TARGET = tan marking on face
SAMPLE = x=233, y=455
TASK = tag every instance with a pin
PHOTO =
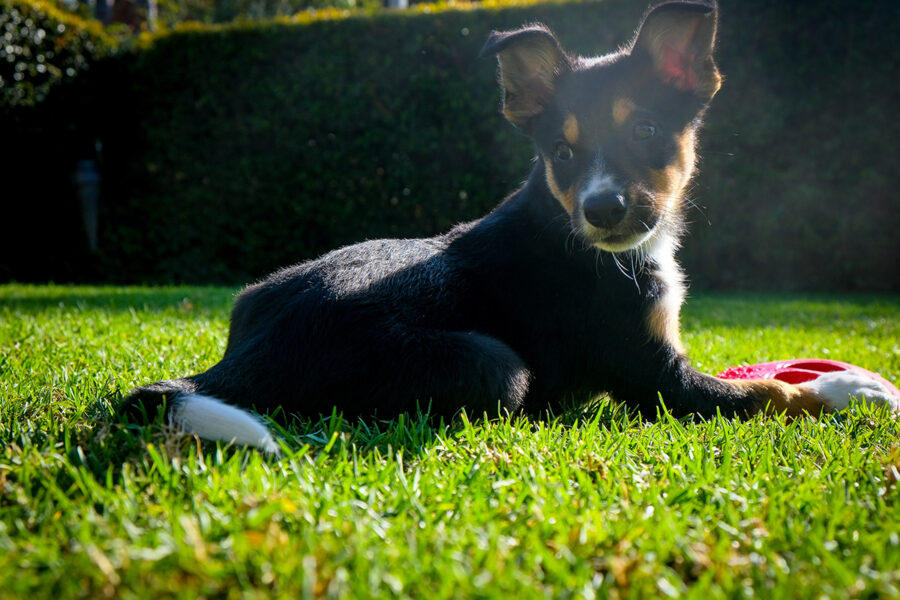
x=669, y=183
x=570, y=130
x=622, y=109
x=567, y=197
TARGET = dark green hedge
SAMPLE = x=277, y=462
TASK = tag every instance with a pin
x=800, y=150
x=228, y=152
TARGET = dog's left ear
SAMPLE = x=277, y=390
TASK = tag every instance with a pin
x=679, y=38
x=531, y=59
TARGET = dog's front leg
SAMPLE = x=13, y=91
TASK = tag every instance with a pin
x=684, y=390
x=695, y=392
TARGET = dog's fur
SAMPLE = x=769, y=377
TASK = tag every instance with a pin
x=567, y=290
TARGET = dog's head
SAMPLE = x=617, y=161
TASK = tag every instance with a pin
x=616, y=133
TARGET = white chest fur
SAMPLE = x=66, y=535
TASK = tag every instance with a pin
x=663, y=319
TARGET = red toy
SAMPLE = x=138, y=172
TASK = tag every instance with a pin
x=802, y=370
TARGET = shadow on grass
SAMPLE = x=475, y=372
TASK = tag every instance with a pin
x=116, y=439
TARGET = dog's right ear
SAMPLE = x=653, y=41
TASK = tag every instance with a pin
x=530, y=61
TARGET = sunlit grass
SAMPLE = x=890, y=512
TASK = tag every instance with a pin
x=594, y=504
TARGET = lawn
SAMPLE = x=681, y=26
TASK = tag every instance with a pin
x=589, y=504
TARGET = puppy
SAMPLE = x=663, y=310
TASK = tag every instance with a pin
x=567, y=290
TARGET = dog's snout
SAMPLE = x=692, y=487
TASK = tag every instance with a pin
x=605, y=210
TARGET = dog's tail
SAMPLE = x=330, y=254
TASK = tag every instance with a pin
x=199, y=414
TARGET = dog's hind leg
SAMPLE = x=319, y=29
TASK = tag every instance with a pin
x=399, y=369
x=449, y=371
x=390, y=369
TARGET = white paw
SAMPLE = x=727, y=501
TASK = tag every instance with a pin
x=837, y=388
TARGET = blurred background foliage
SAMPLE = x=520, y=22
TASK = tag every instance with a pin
x=156, y=15
x=227, y=150
x=40, y=46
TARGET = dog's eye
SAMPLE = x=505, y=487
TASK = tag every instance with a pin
x=644, y=130
x=562, y=151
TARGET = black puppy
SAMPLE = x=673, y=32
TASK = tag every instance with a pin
x=567, y=290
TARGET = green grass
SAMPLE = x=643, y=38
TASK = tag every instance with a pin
x=588, y=505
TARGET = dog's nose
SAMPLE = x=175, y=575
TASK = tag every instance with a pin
x=605, y=210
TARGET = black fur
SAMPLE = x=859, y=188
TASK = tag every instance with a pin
x=499, y=312
x=511, y=312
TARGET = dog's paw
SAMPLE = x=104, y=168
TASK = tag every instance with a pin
x=838, y=387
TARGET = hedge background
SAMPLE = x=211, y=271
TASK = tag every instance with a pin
x=230, y=151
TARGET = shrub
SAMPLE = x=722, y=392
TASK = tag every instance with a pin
x=42, y=46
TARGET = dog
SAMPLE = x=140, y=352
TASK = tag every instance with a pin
x=569, y=289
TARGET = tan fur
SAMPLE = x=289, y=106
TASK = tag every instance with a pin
x=622, y=109
x=775, y=397
x=668, y=181
x=519, y=112
x=663, y=325
x=570, y=129
x=567, y=197
x=713, y=83
x=672, y=180
x=663, y=320
x=527, y=76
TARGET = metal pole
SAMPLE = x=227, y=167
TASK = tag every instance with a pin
x=87, y=186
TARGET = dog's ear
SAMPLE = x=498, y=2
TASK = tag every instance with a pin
x=679, y=37
x=530, y=60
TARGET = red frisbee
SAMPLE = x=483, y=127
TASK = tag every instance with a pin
x=801, y=370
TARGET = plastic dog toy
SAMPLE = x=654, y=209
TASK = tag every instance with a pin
x=804, y=370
